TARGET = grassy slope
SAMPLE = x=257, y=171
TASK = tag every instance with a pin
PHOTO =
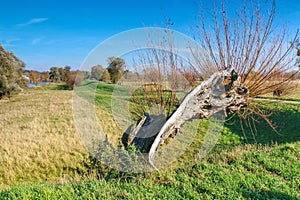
x=237, y=168
x=38, y=140
x=245, y=172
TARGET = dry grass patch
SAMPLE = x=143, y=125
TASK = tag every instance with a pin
x=39, y=141
x=293, y=94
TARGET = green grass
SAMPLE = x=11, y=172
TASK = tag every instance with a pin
x=241, y=166
x=251, y=171
x=96, y=92
x=285, y=118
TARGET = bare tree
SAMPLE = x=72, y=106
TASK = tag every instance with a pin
x=262, y=53
x=249, y=42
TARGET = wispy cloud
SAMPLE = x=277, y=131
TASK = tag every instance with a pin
x=36, y=40
x=10, y=42
x=32, y=21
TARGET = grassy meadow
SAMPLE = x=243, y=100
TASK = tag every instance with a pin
x=39, y=141
x=42, y=157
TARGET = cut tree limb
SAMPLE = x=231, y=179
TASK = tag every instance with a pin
x=221, y=92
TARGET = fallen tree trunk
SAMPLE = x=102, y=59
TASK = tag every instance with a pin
x=221, y=92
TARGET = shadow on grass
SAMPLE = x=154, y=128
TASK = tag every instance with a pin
x=61, y=87
x=264, y=194
x=285, y=117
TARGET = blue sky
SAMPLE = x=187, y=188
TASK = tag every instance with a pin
x=49, y=33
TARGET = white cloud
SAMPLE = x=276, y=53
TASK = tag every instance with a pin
x=32, y=21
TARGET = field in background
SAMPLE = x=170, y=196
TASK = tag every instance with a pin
x=39, y=144
x=293, y=95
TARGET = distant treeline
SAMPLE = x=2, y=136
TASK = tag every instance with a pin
x=56, y=75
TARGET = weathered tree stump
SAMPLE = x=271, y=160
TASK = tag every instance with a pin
x=221, y=92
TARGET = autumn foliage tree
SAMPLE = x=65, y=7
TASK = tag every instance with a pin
x=75, y=79
x=34, y=77
x=106, y=76
x=44, y=76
